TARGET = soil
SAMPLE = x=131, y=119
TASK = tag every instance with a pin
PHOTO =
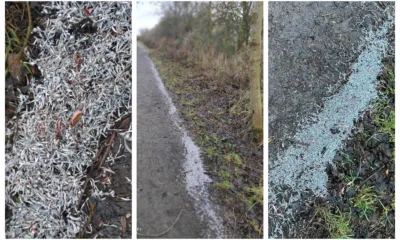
x=311, y=48
x=369, y=156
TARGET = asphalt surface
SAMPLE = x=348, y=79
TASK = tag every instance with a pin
x=161, y=192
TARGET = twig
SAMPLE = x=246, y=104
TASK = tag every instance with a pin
x=162, y=233
x=96, y=166
x=362, y=183
x=28, y=30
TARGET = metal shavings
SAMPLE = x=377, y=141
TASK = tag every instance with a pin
x=100, y=87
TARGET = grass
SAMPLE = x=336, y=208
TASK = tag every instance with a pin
x=210, y=111
x=385, y=113
x=256, y=195
x=386, y=122
x=365, y=201
x=338, y=225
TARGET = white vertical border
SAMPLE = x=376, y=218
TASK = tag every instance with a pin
x=134, y=121
x=3, y=119
x=265, y=115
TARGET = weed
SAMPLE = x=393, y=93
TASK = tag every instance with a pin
x=386, y=122
x=225, y=175
x=365, y=201
x=384, y=220
x=223, y=185
x=257, y=195
x=234, y=158
x=338, y=225
x=212, y=151
x=255, y=226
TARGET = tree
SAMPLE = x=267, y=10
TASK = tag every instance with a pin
x=244, y=30
x=255, y=66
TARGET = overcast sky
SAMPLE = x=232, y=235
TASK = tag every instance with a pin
x=147, y=15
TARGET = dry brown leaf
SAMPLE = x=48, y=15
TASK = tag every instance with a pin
x=123, y=226
x=14, y=66
x=75, y=118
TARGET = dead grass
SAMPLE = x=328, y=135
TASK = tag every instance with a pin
x=211, y=91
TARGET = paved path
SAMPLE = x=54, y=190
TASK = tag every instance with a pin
x=161, y=193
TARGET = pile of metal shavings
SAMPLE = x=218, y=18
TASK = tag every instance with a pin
x=86, y=68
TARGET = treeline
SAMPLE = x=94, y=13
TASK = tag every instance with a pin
x=214, y=38
x=222, y=26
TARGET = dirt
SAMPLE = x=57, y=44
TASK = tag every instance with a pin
x=111, y=217
x=311, y=49
x=366, y=161
x=162, y=198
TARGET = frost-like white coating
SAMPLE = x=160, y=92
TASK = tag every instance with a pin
x=43, y=177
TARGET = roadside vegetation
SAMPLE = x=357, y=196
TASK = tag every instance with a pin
x=201, y=50
x=361, y=201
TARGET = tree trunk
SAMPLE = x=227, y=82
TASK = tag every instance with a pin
x=255, y=66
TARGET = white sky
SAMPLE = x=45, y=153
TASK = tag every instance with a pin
x=148, y=14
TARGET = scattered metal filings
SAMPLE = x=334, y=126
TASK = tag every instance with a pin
x=90, y=73
x=302, y=167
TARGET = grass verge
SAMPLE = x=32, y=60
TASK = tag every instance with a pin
x=216, y=113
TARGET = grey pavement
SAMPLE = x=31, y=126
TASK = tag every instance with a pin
x=161, y=192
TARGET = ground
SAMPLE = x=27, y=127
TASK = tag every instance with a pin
x=215, y=112
x=312, y=47
x=161, y=192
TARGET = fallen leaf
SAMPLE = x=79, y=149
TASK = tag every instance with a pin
x=14, y=66
x=101, y=223
x=387, y=171
x=269, y=139
x=75, y=118
x=86, y=11
x=58, y=128
x=123, y=226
